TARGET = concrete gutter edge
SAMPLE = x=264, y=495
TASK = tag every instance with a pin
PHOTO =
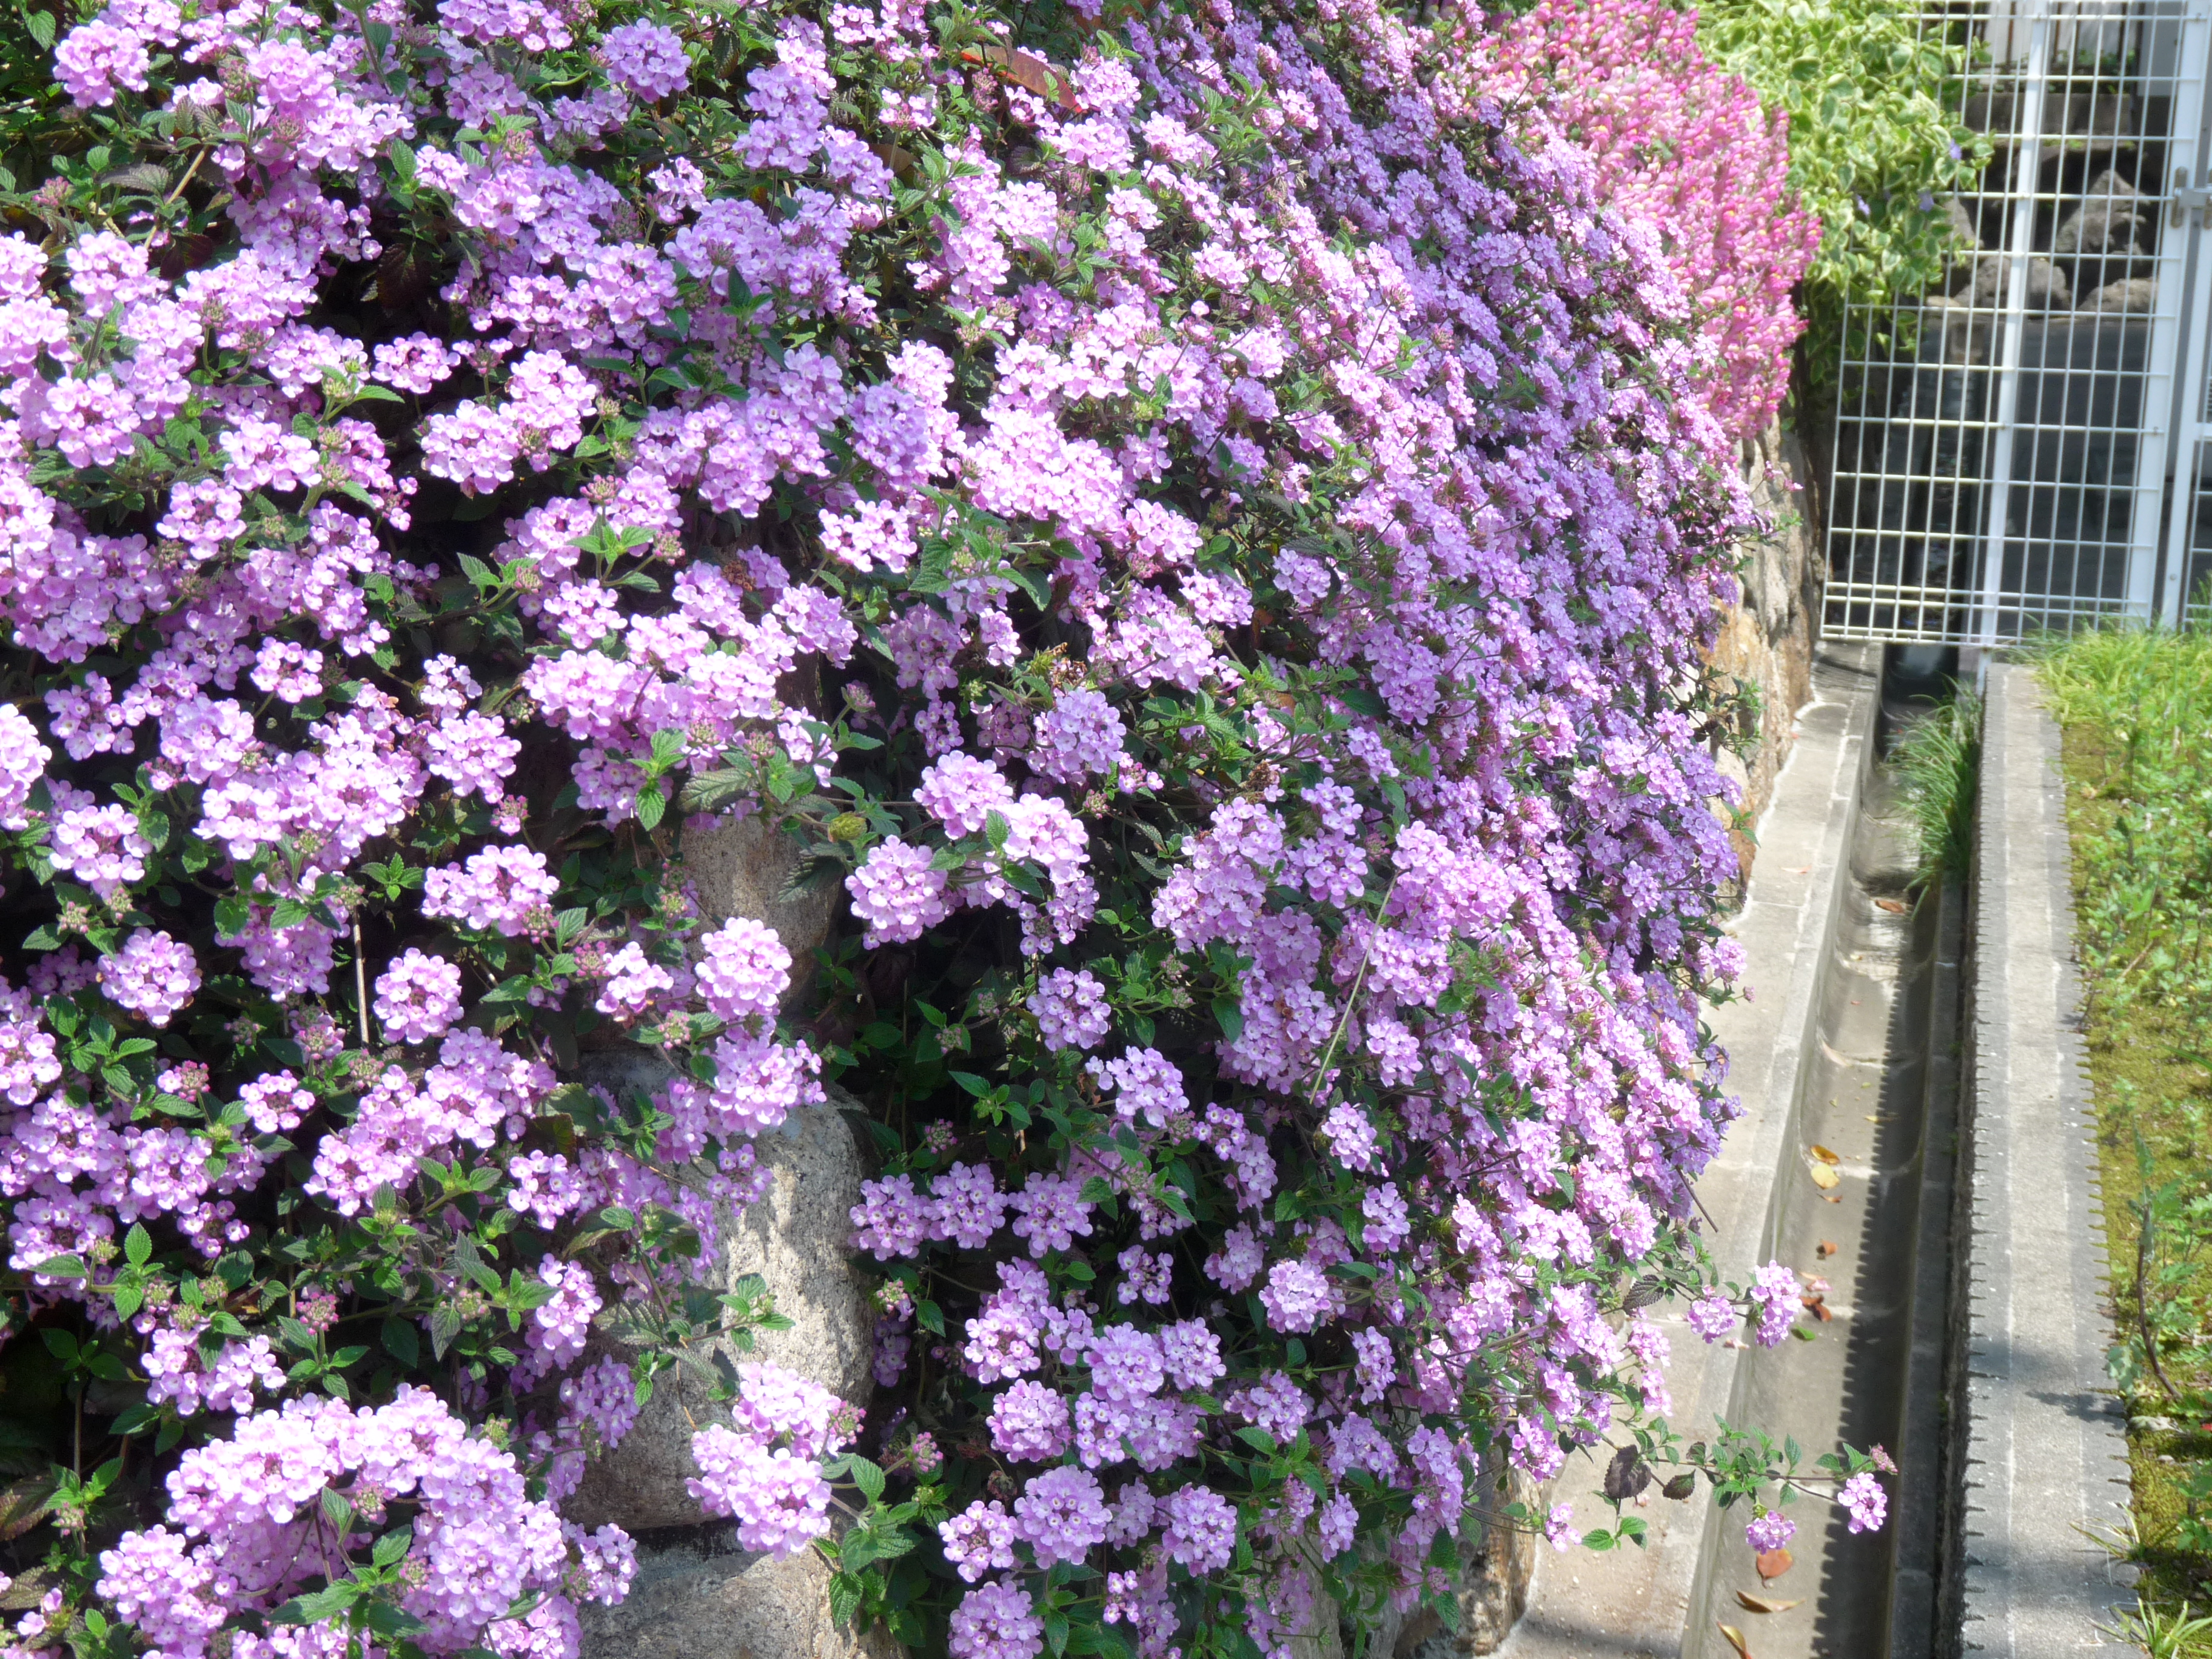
x=2044, y=1454
x=1917, y=1532
x=1779, y=1139
x=1640, y=1602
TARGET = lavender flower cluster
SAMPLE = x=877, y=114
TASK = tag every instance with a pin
x=1206, y=530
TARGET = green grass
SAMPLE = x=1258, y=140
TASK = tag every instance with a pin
x=2136, y=708
x=1936, y=760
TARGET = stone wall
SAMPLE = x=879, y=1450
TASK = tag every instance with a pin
x=1766, y=642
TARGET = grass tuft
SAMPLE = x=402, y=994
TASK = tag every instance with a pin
x=1937, y=761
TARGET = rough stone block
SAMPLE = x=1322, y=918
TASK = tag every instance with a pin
x=701, y=1598
x=742, y=869
x=795, y=1239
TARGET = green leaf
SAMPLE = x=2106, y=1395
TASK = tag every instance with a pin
x=319, y=1608
x=1229, y=1014
x=402, y=1341
x=652, y=805
x=445, y=1325
x=137, y=1246
x=41, y=27
x=866, y=1476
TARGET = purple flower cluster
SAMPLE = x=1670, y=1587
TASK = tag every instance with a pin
x=765, y=1470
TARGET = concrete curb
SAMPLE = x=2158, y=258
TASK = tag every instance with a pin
x=2045, y=1454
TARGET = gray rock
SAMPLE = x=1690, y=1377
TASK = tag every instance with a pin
x=740, y=869
x=2105, y=224
x=2137, y=293
x=795, y=1239
x=2047, y=289
x=1496, y=1569
x=701, y=1598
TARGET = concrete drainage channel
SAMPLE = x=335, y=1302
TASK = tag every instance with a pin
x=1914, y=1138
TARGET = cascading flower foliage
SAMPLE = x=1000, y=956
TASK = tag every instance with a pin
x=1202, y=524
x=1683, y=143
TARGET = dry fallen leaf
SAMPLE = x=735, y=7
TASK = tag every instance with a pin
x=1772, y=1563
x=1827, y=1247
x=1895, y=907
x=1735, y=1640
x=1825, y=1155
x=1825, y=1176
x=1797, y=869
x=1817, y=1307
x=1762, y=1604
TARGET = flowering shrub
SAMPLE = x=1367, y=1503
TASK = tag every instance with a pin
x=1204, y=533
x=1872, y=93
x=1687, y=146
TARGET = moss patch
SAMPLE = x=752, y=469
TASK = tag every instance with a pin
x=2135, y=710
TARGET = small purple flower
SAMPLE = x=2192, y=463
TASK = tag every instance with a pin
x=418, y=998
x=1297, y=1296
x=1775, y=1293
x=152, y=974
x=1559, y=1527
x=1770, y=1530
x=996, y=1621
x=1712, y=1315
x=1869, y=1504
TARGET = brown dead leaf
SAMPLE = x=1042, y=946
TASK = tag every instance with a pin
x=1825, y=1176
x=1825, y=1155
x=1772, y=1563
x=1762, y=1604
x=1818, y=1308
x=1825, y=1249
x=1028, y=72
x=1895, y=907
x=1735, y=1640
x=1797, y=869
x=1830, y=1198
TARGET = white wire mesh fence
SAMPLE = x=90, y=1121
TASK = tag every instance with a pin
x=2023, y=447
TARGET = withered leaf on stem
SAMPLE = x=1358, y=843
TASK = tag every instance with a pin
x=1626, y=1475
x=1028, y=72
